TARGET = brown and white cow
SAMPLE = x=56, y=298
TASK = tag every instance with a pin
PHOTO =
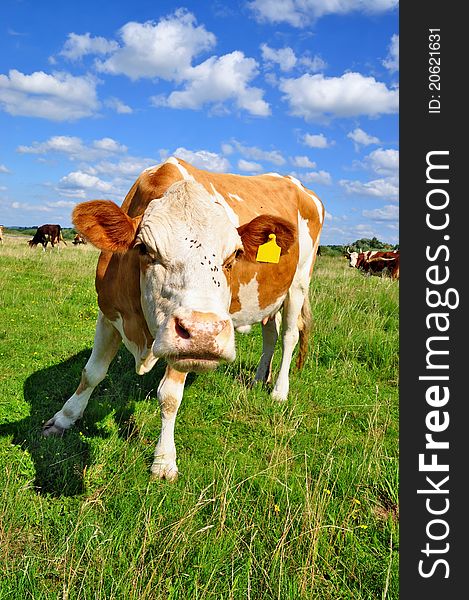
x=374, y=262
x=47, y=234
x=1, y=235
x=178, y=274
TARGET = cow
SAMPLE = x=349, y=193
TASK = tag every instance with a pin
x=375, y=262
x=1, y=235
x=183, y=264
x=45, y=234
x=78, y=239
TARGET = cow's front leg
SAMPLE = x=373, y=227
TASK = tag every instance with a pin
x=170, y=393
x=106, y=344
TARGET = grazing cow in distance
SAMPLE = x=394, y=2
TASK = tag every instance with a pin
x=190, y=257
x=375, y=262
x=78, y=239
x=45, y=234
x=1, y=235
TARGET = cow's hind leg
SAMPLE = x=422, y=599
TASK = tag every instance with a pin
x=106, y=344
x=291, y=320
x=270, y=331
x=170, y=393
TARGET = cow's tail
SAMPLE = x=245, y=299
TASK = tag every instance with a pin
x=305, y=323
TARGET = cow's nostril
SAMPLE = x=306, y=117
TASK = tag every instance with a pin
x=181, y=331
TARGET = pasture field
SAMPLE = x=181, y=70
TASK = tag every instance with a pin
x=274, y=501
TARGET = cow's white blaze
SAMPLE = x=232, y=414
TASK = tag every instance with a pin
x=183, y=288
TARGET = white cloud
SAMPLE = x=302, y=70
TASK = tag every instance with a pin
x=316, y=140
x=313, y=64
x=127, y=167
x=249, y=166
x=4, y=169
x=217, y=80
x=321, y=177
x=25, y=206
x=390, y=212
x=391, y=62
x=360, y=137
x=118, y=106
x=303, y=162
x=319, y=98
x=287, y=60
x=203, y=159
x=378, y=188
x=300, y=13
x=61, y=204
x=227, y=149
x=252, y=152
x=383, y=162
x=164, y=49
x=284, y=57
x=57, y=97
x=78, y=46
x=74, y=148
x=78, y=184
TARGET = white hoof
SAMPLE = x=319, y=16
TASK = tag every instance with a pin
x=164, y=470
x=279, y=395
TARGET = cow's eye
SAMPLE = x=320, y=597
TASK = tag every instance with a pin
x=230, y=261
x=150, y=254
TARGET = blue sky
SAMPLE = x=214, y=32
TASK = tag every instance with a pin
x=91, y=93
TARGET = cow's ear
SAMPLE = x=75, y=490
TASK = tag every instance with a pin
x=256, y=232
x=105, y=225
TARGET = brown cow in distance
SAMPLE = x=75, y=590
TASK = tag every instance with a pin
x=45, y=234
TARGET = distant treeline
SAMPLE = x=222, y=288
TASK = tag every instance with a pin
x=361, y=245
x=67, y=232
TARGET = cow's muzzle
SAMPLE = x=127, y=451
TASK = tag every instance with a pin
x=196, y=341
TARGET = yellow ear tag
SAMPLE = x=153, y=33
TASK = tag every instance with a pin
x=269, y=252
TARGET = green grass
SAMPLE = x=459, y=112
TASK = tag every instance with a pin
x=274, y=501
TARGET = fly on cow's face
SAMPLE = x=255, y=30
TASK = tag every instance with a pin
x=149, y=254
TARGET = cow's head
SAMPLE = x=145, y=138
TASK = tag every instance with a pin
x=187, y=248
x=353, y=259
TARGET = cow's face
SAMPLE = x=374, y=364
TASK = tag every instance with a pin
x=353, y=258
x=186, y=248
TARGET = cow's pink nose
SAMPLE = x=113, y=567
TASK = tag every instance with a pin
x=198, y=325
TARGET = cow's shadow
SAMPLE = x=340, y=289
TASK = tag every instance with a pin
x=60, y=462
